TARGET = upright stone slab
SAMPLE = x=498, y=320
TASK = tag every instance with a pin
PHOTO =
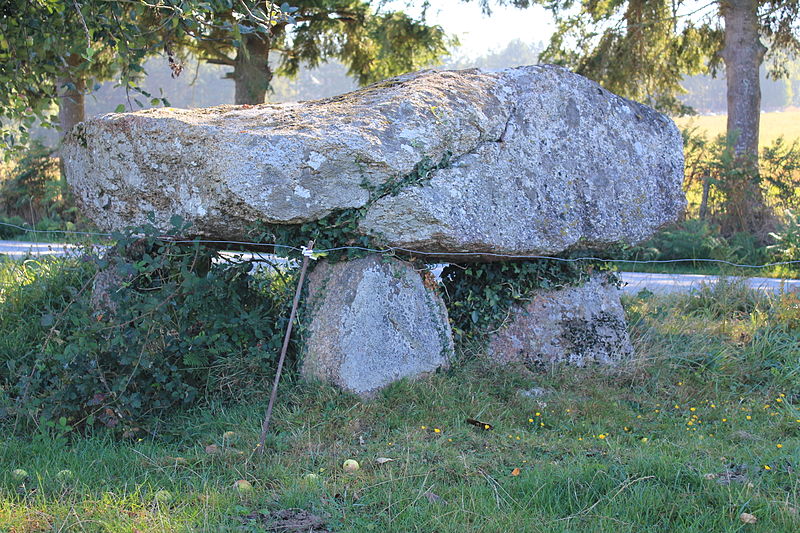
x=373, y=321
x=577, y=325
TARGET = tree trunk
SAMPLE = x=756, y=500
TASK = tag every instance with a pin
x=251, y=70
x=743, y=54
x=71, y=89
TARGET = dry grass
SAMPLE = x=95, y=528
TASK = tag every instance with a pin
x=773, y=125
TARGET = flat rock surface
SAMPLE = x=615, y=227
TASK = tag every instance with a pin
x=527, y=160
x=373, y=321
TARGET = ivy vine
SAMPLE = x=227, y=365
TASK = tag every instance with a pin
x=480, y=296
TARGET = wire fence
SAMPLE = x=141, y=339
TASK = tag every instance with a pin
x=395, y=249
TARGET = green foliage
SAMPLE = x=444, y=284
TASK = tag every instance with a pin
x=49, y=46
x=712, y=166
x=643, y=49
x=787, y=239
x=728, y=298
x=336, y=230
x=372, y=44
x=12, y=229
x=779, y=169
x=691, y=239
x=34, y=193
x=479, y=296
x=636, y=49
x=158, y=326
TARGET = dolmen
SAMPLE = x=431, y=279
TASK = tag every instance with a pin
x=450, y=166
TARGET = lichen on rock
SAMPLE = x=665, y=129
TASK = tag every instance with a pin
x=373, y=321
x=578, y=325
x=539, y=160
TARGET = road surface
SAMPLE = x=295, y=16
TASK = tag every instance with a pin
x=635, y=281
x=20, y=249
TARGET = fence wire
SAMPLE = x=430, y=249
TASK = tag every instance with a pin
x=395, y=249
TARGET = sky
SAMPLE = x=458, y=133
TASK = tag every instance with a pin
x=479, y=33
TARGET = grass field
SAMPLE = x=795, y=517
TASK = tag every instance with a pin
x=773, y=125
x=702, y=426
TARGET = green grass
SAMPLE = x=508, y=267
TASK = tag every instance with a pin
x=679, y=439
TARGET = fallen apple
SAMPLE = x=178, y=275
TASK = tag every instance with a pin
x=19, y=474
x=229, y=435
x=350, y=466
x=243, y=486
x=163, y=496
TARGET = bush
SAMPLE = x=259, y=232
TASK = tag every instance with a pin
x=716, y=182
x=787, y=239
x=180, y=331
x=691, y=239
x=11, y=230
x=697, y=239
x=33, y=190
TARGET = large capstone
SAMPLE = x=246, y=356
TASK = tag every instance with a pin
x=529, y=160
x=373, y=321
x=576, y=325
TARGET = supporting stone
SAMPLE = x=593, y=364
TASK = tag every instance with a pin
x=373, y=321
x=577, y=325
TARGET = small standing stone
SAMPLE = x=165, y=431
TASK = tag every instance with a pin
x=373, y=321
x=576, y=325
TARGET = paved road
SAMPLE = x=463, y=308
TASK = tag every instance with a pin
x=677, y=283
x=19, y=249
x=657, y=283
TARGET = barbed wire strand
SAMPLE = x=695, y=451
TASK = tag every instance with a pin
x=393, y=249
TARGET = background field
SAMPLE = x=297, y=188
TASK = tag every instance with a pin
x=773, y=125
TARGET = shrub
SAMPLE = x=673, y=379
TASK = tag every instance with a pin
x=11, y=230
x=691, y=239
x=787, y=239
x=715, y=180
x=185, y=327
x=698, y=239
x=33, y=190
